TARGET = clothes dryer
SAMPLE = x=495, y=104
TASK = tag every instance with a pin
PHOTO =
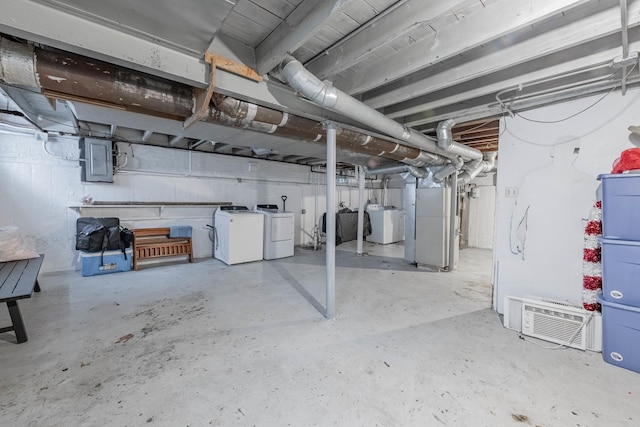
x=278, y=232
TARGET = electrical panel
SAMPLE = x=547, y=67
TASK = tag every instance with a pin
x=97, y=160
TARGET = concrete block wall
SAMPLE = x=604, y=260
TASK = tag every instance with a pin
x=41, y=191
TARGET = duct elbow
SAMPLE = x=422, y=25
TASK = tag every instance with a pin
x=305, y=83
x=445, y=136
x=464, y=178
x=417, y=172
x=489, y=162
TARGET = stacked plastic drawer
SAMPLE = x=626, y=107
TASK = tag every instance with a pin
x=620, y=298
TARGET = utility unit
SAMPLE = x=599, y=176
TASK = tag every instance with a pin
x=387, y=224
x=278, y=232
x=238, y=235
x=432, y=227
x=554, y=321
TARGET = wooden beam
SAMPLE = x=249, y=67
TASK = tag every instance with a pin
x=232, y=67
x=203, y=96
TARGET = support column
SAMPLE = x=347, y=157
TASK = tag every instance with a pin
x=331, y=221
x=453, y=187
x=361, y=177
x=410, y=195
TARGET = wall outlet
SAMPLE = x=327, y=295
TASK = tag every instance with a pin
x=511, y=192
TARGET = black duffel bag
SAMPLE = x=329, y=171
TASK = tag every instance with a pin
x=97, y=234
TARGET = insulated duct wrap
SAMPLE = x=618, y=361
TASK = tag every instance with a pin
x=17, y=64
x=69, y=76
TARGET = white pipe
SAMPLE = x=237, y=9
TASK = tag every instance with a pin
x=390, y=169
x=303, y=81
x=361, y=177
x=443, y=173
x=477, y=167
x=443, y=131
x=331, y=222
x=625, y=44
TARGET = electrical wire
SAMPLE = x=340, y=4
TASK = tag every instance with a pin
x=574, y=114
x=44, y=147
x=106, y=135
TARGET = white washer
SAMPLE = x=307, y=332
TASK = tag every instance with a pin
x=278, y=231
x=387, y=224
x=238, y=234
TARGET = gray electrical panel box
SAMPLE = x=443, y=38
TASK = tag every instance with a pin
x=97, y=163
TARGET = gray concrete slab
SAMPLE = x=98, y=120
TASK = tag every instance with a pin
x=207, y=344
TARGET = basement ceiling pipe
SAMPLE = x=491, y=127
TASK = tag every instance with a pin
x=234, y=112
x=384, y=170
x=70, y=76
x=443, y=131
x=477, y=167
x=443, y=173
x=323, y=94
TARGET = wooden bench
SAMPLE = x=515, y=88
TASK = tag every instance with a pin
x=155, y=243
x=18, y=280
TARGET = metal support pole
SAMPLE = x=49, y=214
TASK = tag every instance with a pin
x=361, y=177
x=453, y=186
x=410, y=196
x=625, y=43
x=331, y=221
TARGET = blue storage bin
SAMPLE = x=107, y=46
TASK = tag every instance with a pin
x=621, y=206
x=620, y=335
x=621, y=271
x=112, y=262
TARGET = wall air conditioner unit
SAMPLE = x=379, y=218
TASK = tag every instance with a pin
x=554, y=321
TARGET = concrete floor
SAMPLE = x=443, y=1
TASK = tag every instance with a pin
x=246, y=345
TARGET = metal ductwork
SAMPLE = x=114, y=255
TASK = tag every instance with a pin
x=323, y=94
x=478, y=166
x=443, y=173
x=385, y=170
x=444, y=133
x=17, y=66
x=69, y=76
x=233, y=112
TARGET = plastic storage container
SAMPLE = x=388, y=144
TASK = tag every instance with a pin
x=621, y=206
x=621, y=271
x=112, y=262
x=620, y=335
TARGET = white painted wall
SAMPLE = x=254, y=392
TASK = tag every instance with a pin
x=37, y=190
x=558, y=192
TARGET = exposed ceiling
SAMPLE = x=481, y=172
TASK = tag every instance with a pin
x=418, y=62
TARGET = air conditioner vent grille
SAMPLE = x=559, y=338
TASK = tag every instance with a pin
x=556, y=328
x=554, y=322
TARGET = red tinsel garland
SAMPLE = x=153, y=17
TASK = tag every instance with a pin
x=592, y=257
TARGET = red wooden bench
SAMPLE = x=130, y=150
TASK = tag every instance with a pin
x=151, y=243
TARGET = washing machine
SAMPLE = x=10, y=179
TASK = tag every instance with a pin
x=387, y=224
x=238, y=235
x=278, y=231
